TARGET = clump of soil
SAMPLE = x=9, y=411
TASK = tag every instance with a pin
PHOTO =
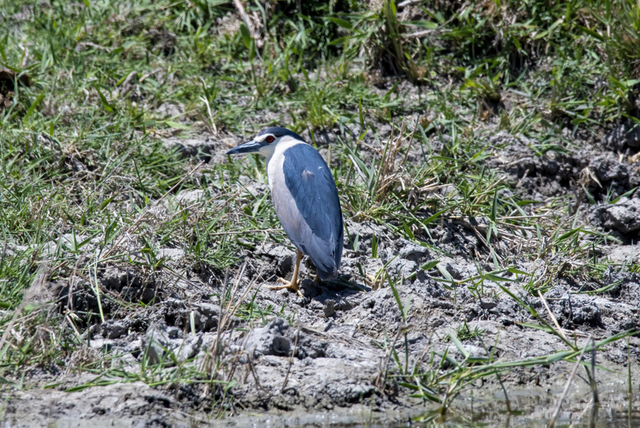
x=8, y=81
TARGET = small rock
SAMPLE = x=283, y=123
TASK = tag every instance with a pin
x=275, y=251
x=187, y=348
x=276, y=338
x=134, y=347
x=114, y=278
x=624, y=253
x=401, y=267
x=453, y=270
x=170, y=109
x=173, y=332
x=113, y=329
x=105, y=345
x=281, y=345
x=623, y=216
x=607, y=170
x=155, y=344
x=627, y=133
x=268, y=340
x=505, y=321
x=485, y=304
x=413, y=252
x=582, y=312
x=284, y=266
x=329, y=308
x=446, y=237
x=205, y=318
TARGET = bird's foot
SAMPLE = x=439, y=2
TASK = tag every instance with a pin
x=291, y=285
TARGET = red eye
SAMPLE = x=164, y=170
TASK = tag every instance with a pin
x=270, y=139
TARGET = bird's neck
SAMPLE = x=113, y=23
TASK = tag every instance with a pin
x=275, y=157
x=278, y=149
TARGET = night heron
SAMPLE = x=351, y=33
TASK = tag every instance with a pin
x=305, y=197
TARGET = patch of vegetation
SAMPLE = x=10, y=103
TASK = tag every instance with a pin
x=92, y=95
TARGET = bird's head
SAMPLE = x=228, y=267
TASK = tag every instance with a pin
x=266, y=141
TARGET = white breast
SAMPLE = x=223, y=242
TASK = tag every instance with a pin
x=292, y=221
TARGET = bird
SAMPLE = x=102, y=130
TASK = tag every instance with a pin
x=305, y=198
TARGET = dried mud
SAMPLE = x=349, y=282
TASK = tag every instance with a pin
x=322, y=360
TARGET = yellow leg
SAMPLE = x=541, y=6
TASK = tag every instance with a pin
x=293, y=284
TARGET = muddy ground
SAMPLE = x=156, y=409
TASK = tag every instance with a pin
x=324, y=360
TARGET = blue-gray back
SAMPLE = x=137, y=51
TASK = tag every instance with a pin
x=311, y=184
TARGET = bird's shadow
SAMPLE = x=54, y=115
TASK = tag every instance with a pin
x=336, y=290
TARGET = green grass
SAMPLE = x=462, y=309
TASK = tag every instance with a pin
x=81, y=151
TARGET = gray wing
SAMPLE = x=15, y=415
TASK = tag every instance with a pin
x=314, y=191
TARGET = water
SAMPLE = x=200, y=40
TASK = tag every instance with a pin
x=534, y=408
